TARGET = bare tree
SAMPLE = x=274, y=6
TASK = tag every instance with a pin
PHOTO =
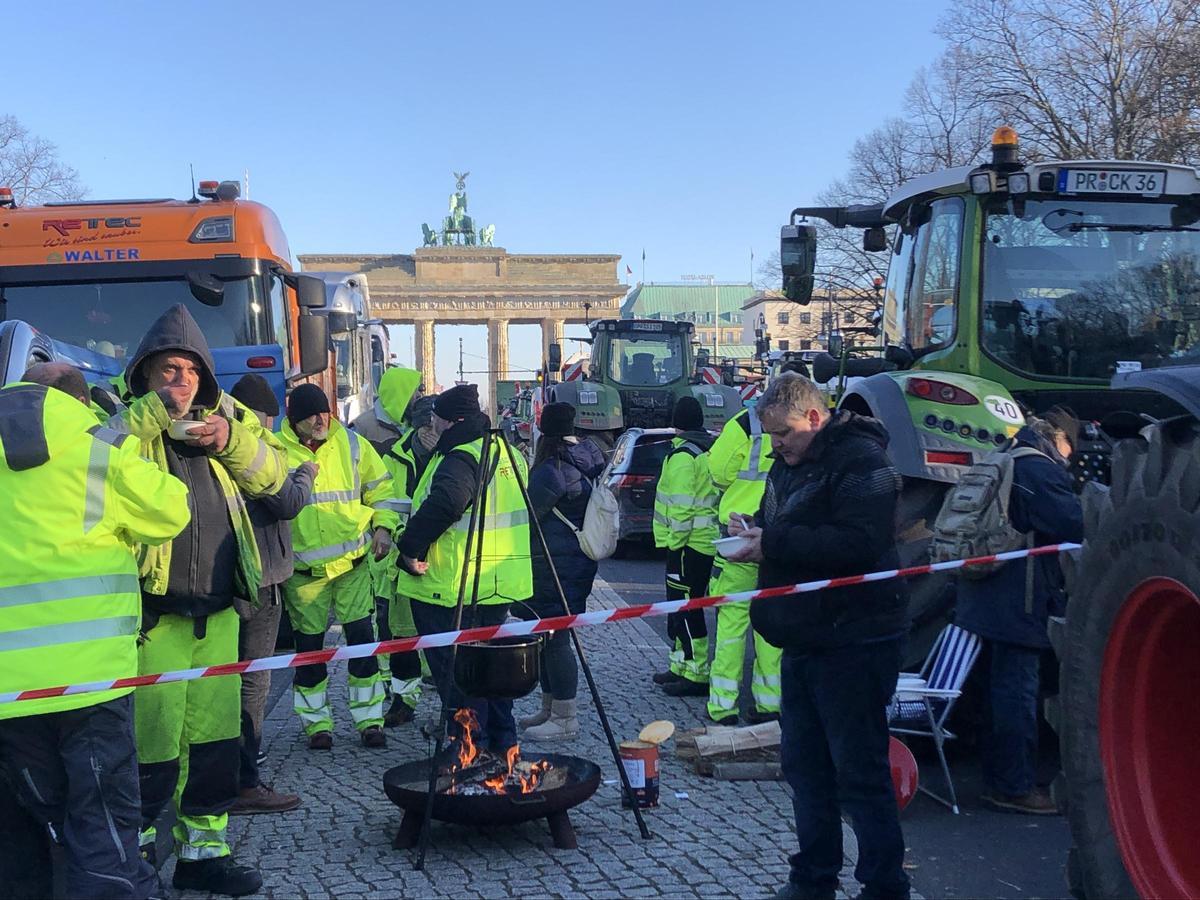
x=768, y=276
x=1086, y=78
x=31, y=167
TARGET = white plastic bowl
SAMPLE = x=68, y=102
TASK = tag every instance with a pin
x=730, y=545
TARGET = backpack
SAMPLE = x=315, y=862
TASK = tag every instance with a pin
x=974, y=520
x=601, y=523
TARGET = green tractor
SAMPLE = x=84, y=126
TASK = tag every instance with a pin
x=1014, y=287
x=638, y=369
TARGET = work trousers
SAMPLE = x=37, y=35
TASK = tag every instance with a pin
x=188, y=732
x=688, y=572
x=834, y=754
x=497, y=728
x=76, y=772
x=729, y=657
x=309, y=599
x=256, y=639
x=404, y=669
x=1010, y=745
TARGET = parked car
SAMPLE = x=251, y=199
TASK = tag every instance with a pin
x=632, y=475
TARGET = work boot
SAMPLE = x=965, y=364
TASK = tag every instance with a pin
x=729, y=720
x=1036, y=803
x=758, y=717
x=398, y=713
x=322, y=740
x=686, y=688
x=537, y=718
x=561, y=725
x=793, y=891
x=216, y=876
x=667, y=677
x=262, y=798
x=373, y=737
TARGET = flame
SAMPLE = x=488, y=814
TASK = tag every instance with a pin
x=467, y=751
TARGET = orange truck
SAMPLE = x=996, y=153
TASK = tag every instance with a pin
x=81, y=281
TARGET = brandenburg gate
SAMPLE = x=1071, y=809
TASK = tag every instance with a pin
x=459, y=279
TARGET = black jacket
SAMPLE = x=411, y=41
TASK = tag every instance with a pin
x=831, y=515
x=204, y=557
x=1042, y=501
x=451, y=492
x=271, y=516
x=563, y=482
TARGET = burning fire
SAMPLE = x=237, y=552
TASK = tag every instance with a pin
x=520, y=778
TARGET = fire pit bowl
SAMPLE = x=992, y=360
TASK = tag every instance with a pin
x=407, y=787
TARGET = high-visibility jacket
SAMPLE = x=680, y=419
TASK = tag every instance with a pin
x=685, y=504
x=739, y=461
x=349, y=499
x=75, y=498
x=401, y=462
x=253, y=464
x=505, y=573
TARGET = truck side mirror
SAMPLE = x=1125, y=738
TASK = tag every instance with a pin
x=874, y=240
x=314, y=343
x=310, y=292
x=798, y=260
x=342, y=322
x=835, y=346
x=554, y=358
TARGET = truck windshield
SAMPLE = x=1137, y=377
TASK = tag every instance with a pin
x=110, y=317
x=642, y=359
x=1088, y=288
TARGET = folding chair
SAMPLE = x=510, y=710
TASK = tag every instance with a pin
x=923, y=701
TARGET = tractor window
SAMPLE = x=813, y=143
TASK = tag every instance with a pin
x=1085, y=288
x=646, y=359
x=899, y=273
x=933, y=288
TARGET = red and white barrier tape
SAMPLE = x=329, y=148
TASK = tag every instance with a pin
x=530, y=626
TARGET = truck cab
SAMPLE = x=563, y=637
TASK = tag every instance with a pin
x=357, y=343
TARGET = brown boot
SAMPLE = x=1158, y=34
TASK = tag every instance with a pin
x=262, y=799
x=1036, y=803
x=322, y=740
x=373, y=737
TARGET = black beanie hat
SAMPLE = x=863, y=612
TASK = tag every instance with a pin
x=306, y=400
x=558, y=420
x=460, y=401
x=688, y=415
x=253, y=392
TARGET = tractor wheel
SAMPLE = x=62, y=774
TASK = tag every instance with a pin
x=1129, y=649
x=930, y=597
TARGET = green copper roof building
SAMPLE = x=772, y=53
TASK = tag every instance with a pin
x=698, y=304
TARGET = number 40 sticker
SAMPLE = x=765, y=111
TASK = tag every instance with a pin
x=1004, y=409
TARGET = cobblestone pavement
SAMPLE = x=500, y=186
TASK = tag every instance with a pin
x=710, y=838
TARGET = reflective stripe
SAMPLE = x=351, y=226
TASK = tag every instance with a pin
x=366, y=700
x=355, y=450
x=675, y=499
x=709, y=501
x=394, y=504
x=68, y=589
x=723, y=684
x=333, y=551
x=661, y=518
x=109, y=436
x=200, y=843
x=689, y=446
x=69, y=633
x=371, y=485
x=408, y=690
x=332, y=497
x=703, y=521
x=260, y=460
x=500, y=520
x=774, y=681
x=721, y=701
x=745, y=475
x=97, y=475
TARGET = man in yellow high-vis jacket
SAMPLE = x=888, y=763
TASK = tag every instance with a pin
x=739, y=461
x=685, y=523
x=74, y=499
x=189, y=732
x=434, y=554
x=347, y=517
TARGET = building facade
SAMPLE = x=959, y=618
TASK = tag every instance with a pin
x=714, y=309
x=791, y=327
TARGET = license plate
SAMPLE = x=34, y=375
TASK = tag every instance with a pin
x=646, y=326
x=1143, y=182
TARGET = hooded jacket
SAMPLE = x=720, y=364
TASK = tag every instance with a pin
x=383, y=424
x=830, y=515
x=1043, y=501
x=216, y=556
x=563, y=482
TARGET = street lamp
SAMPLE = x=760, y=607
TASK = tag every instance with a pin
x=712, y=279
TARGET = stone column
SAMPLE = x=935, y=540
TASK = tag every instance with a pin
x=552, y=333
x=497, y=349
x=425, y=352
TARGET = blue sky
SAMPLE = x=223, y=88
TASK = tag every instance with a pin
x=688, y=129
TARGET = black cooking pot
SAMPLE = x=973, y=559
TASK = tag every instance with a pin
x=503, y=668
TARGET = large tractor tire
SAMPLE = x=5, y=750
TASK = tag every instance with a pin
x=1128, y=714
